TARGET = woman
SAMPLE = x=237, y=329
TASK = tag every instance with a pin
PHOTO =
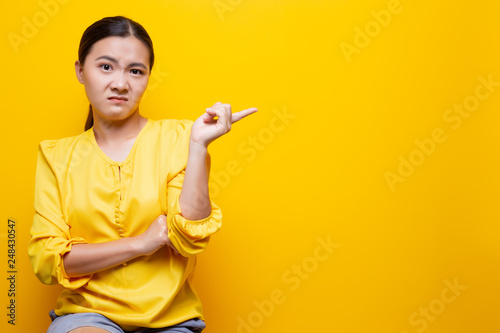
x=122, y=209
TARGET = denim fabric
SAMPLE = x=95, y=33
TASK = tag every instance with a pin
x=66, y=323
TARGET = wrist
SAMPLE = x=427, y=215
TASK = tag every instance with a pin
x=197, y=148
x=137, y=246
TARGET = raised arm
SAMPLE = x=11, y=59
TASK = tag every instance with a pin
x=194, y=199
x=192, y=217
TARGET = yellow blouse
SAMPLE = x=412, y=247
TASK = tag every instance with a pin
x=83, y=196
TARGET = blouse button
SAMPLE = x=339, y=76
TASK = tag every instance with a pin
x=124, y=264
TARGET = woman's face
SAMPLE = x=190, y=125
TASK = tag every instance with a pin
x=115, y=75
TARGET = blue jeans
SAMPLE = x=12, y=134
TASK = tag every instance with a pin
x=66, y=323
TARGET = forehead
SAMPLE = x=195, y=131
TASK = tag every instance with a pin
x=124, y=49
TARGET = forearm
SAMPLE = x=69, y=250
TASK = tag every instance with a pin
x=84, y=259
x=194, y=197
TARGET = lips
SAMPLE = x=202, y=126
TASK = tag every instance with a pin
x=116, y=100
x=120, y=98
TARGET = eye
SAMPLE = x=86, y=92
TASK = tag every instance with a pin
x=106, y=67
x=137, y=71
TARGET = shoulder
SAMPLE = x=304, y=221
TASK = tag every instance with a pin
x=62, y=142
x=57, y=149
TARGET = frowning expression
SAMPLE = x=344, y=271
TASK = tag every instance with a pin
x=115, y=74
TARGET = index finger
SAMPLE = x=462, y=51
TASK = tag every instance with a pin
x=242, y=114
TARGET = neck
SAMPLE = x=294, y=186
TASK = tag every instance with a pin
x=110, y=132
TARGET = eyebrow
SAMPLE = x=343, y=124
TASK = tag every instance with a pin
x=134, y=64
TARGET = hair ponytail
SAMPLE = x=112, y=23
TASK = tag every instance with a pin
x=90, y=119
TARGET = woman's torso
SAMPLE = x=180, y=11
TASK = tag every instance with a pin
x=103, y=200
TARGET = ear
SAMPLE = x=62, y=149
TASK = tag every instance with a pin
x=79, y=71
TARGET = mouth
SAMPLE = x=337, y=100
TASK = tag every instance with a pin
x=118, y=99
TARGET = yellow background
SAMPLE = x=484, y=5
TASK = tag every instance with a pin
x=319, y=173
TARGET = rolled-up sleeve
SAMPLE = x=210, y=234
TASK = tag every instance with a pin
x=50, y=234
x=189, y=237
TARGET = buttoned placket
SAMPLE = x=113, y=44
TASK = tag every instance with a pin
x=119, y=197
x=117, y=168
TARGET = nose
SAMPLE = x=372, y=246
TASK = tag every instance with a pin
x=119, y=81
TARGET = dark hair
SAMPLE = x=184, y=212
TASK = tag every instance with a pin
x=108, y=27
